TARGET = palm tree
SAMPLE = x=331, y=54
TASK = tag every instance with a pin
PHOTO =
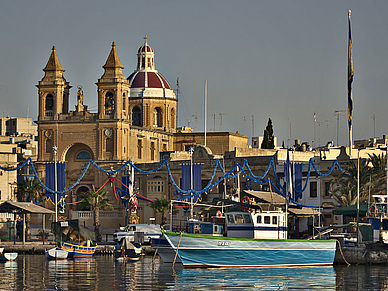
x=161, y=206
x=378, y=176
x=96, y=201
x=29, y=190
x=345, y=185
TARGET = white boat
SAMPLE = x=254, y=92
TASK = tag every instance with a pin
x=56, y=254
x=7, y=256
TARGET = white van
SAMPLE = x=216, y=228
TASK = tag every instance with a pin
x=149, y=231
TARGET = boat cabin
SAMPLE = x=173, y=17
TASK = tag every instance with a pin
x=259, y=225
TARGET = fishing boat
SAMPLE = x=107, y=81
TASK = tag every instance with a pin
x=75, y=239
x=163, y=248
x=7, y=256
x=195, y=250
x=254, y=239
x=56, y=253
x=126, y=250
x=79, y=251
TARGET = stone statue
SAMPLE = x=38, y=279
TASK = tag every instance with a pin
x=80, y=96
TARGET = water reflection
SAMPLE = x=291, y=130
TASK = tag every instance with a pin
x=34, y=272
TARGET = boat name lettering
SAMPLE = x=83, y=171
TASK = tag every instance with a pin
x=224, y=243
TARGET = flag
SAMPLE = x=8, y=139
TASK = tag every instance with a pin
x=315, y=117
x=288, y=177
x=350, y=75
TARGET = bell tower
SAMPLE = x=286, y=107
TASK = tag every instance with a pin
x=53, y=90
x=113, y=89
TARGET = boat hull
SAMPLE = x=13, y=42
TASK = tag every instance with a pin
x=163, y=248
x=207, y=251
x=77, y=251
x=8, y=257
x=56, y=254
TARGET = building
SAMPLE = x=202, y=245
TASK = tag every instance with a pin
x=136, y=120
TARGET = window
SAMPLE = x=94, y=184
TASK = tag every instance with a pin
x=83, y=156
x=313, y=189
x=165, y=147
x=109, y=104
x=239, y=218
x=155, y=185
x=49, y=102
x=139, y=148
x=172, y=119
x=136, y=116
x=267, y=219
x=49, y=146
x=259, y=219
x=152, y=150
x=274, y=220
x=247, y=218
x=230, y=218
x=327, y=188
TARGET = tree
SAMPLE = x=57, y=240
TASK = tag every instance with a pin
x=29, y=190
x=96, y=201
x=268, y=140
x=378, y=175
x=161, y=206
x=345, y=185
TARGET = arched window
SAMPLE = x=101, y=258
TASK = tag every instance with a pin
x=136, y=116
x=49, y=106
x=83, y=156
x=157, y=117
x=109, y=104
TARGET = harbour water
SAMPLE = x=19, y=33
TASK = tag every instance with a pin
x=34, y=272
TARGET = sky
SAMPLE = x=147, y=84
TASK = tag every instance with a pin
x=279, y=59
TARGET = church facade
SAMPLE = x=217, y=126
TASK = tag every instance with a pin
x=136, y=120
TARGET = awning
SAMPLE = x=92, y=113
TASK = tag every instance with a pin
x=352, y=210
x=23, y=207
x=277, y=199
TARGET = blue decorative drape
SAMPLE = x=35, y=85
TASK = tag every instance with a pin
x=50, y=180
x=186, y=177
x=298, y=168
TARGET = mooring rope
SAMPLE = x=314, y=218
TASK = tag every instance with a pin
x=342, y=254
x=177, y=249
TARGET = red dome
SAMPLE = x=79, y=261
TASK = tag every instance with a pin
x=145, y=49
x=151, y=80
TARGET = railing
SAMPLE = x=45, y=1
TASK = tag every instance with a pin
x=103, y=215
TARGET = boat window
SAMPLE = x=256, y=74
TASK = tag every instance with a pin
x=259, y=219
x=274, y=220
x=267, y=219
x=230, y=218
x=247, y=218
x=239, y=218
x=216, y=228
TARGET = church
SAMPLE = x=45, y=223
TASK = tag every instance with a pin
x=136, y=120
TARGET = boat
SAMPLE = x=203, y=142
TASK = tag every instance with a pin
x=195, y=250
x=56, y=253
x=126, y=250
x=79, y=251
x=75, y=239
x=254, y=239
x=4, y=257
x=163, y=248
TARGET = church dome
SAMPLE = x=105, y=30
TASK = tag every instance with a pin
x=144, y=79
x=146, y=76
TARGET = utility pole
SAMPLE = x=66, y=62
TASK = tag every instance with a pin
x=338, y=114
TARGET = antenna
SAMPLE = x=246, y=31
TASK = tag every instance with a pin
x=253, y=126
x=221, y=115
x=374, y=125
x=214, y=122
x=338, y=113
x=245, y=124
x=319, y=132
x=195, y=120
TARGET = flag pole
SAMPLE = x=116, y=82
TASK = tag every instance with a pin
x=350, y=83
